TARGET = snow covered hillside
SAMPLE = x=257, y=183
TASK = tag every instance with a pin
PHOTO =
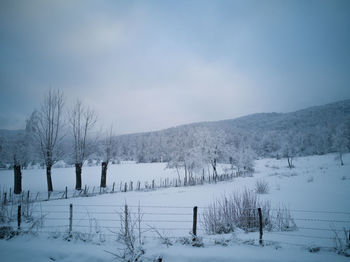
x=316, y=192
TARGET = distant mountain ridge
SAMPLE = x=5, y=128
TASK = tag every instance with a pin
x=310, y=130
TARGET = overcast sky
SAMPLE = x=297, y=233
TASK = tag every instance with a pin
x=148, y=65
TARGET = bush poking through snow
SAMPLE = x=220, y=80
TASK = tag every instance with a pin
x=236, y=210
x=342, y=242
x=262, y=187
x=165, y=240
x=7, y=232
x=283, y=220
x=130, y=237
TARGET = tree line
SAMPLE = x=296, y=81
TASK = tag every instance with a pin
x=45, y=139
x=58, y=132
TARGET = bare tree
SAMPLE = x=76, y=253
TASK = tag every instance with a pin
x=340, y=141
x=214, y=144
x=108, y=144
x=289, y=148
x=47, y=131
x=81, y=120
x=19, y=150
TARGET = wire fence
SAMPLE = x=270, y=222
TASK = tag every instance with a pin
x=312, y=227
x=8, y=197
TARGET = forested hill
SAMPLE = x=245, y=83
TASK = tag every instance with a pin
x=308, y=131
x=315, y=130
x=327, y=115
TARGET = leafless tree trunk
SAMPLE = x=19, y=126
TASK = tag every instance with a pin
x=18, y=176
x=78, y=169
x=104, y=174
x=107, y=147
x=81, y=119
x=47, y=131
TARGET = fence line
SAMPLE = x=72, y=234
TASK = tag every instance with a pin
x=7, y=196
x=164, y=224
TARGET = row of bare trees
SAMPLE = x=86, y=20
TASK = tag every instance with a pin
x=51, y=124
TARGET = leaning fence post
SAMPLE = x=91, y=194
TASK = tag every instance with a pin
x=194, y=227
x=260, y=226
x=70, y=218
x=19, y=218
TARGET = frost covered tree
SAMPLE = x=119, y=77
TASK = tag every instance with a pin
x=241, y=155
x=194, y=148
x=47, y=130
x=213, y=146
x=341, y=141
x=81, y=120
x=107, y=147
x=289, y=148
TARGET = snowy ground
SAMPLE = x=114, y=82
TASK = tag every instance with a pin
x=316, y=191
x=35, y=179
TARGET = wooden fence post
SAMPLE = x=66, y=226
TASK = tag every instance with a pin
x=194, y=227
x=125, y=187
x=66, y=192
x=28, y=195
x=19, y=218
x=113, y=187
x=70, y=219
x=126, y=220
x=260, y=226
x=5, y=198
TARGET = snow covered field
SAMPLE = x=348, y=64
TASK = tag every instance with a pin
x=316, y=191
x=35, y=179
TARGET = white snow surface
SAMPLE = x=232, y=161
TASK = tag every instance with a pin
x=314, y=203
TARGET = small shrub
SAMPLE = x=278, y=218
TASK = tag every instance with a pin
x=130, y=236
x=237, y=210
x=184, y=240
x=7, y=232
x=262, y=187
x=284, y=221
x=197, y=241
x=342, y=242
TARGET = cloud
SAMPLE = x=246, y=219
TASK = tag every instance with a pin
x=151, y=65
